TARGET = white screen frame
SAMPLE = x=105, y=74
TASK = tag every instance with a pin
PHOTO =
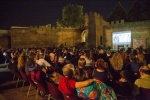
x=121, y=38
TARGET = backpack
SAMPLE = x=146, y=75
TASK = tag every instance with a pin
x=107, y=93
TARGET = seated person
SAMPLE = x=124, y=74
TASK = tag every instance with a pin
x=100, y=72
x=143, y=81
x=30, y=63
x=106, y=92
x=68, y=85
x=39, y=78
x=122, y=86
x=133, y=67
x=81, y=65
x=90, y=92
x=13, y=65
x=54, y=76
x=42, y=62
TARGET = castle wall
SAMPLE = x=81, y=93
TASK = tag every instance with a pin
x=44, y=36
x=4, y=42
x=97, y=32
x=95, y=23
x=139, y=30
x=69, y=36
x=4, y=38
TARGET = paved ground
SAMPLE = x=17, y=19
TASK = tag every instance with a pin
x=8, y=91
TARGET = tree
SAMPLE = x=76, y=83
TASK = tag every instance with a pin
x=72, y=15
x=119, y=13
x=146, y=10
x=135, y=13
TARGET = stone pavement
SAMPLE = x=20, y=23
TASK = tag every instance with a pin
x=8, y=91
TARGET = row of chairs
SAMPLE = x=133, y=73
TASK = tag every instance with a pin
x=53, y=93
x=20, y=75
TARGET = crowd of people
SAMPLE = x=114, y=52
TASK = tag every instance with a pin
x=89, y=73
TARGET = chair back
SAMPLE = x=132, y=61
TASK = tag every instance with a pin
x=24, y=76
x=53, y=90
x=17, y=74
x=122, y=88
x=35, y=77
x=71, y=97
x=145, y=93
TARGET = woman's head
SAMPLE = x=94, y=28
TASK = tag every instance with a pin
x=100, y=64
x=81, y=75
x=124, y=74
x=81, y=62
x=117, y=61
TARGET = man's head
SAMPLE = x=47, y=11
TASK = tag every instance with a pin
x=68, y=70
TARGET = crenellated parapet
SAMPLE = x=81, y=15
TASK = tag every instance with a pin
x=117, y=22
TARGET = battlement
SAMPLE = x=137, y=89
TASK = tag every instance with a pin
x=53, y=27
x=116, y=22
x=92, y=14
x=18, y=27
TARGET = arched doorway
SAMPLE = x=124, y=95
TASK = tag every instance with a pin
x=84, y=36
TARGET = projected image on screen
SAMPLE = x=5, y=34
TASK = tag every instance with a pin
x=121, y=38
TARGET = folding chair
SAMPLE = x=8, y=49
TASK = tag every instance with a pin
x=16, y=74
x=53, y=91
x=28, y=80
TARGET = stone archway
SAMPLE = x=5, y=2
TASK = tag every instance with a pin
x=84, y=35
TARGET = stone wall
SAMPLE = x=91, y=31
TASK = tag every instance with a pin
x=139, y=30
x=4, y=39
x=44, y=36
x=97, y=32
x=5, y=42
x=95, y=22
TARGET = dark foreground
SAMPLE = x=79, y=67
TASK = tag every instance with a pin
x=8, y=91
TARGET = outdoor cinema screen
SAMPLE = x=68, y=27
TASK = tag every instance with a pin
x=121, y=38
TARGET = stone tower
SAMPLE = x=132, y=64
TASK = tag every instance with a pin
x=95, y=23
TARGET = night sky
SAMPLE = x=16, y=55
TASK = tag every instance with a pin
x=42, y=12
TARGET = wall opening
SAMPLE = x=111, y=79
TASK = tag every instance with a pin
x=101, y=40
